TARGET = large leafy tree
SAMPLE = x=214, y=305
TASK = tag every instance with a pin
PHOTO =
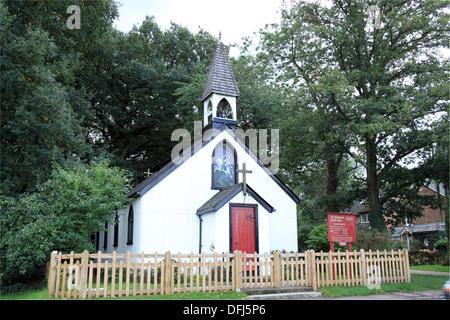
x=132, y=78
x=41, y=101
x=383, y=86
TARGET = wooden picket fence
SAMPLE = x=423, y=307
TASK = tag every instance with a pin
x=365, y=268
x=114, y=275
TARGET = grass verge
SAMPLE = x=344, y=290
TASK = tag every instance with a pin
x=42, y=294
x=436, y=268
x=419, y=282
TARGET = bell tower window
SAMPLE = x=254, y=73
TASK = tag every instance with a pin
x=224, y=109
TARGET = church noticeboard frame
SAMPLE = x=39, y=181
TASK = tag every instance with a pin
x=341, y=227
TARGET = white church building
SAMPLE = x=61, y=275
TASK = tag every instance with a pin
x=220, y=198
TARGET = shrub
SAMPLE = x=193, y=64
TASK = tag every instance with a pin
x=426, y=257
x=61, y=215
x=375, y=240
x=441, y=245
x=318, y=239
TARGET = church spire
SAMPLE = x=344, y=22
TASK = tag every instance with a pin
x=220, y=76
x=220, y=90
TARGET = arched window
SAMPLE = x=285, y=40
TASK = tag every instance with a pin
x=209, y=112
x=224, y=109
x=97, y=241
x=116, y=230
x=130, y=226
x=223, y=168
x=105, y=238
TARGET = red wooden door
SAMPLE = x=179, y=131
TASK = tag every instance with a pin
x=243, y=235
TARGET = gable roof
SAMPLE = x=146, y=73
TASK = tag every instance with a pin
x=436, y=188
x=225, y=195
x=158, y=176
x=220, y=75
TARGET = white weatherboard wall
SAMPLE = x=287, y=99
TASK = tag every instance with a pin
x=165, y=217
x=123, y=231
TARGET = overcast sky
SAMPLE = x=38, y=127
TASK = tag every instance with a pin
x=235, y=18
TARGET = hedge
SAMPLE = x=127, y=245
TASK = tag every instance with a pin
x=427, y=257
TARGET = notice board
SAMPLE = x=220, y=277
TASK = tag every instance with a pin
x=341, y=227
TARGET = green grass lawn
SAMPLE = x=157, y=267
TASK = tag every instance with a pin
x=436, y=268
x=419, y=282
x=42, y=294
x=219, y=295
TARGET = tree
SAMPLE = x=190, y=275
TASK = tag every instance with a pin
x=62, y=215
x=133, y=78
x=41, y=102
x=380, y=86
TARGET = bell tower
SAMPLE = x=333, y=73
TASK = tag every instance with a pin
x=220, y=91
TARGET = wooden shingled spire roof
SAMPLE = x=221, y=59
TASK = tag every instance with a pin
x=220, y=76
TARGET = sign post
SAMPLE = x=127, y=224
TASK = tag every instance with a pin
x=342, y=229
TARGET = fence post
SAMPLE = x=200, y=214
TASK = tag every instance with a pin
x=168, y=277
x=407, y=272
x=275, y=272
x=52, y=274
x=127, y=274
x=312, y=259
x=113, y=274
x=84, y=272
x=237, y=272
x=363, y=268
x=308, y=268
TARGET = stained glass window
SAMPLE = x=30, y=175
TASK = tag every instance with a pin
x=223, y=166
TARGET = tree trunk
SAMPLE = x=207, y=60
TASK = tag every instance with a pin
x=373, y=192
x=333, y=180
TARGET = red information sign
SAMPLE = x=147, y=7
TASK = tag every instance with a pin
x=341, y=227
